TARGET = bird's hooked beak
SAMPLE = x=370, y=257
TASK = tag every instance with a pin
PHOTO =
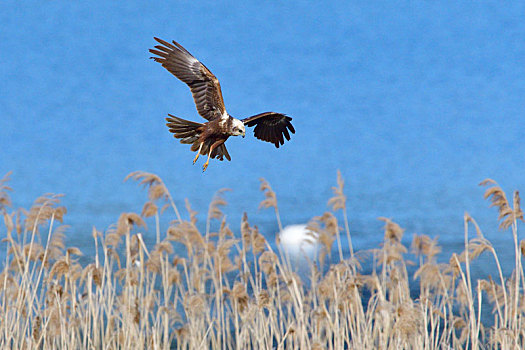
x=243, y=134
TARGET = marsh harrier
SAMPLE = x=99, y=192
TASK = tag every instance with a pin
x=208, y=138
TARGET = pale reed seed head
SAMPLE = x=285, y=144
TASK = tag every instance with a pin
x=258, y=241
x=429, y=275
x=338, y=201
x=157, y=192
x=37, y=329
x=134, y=249
x=494, y=291
x=156, y=188
x=113, y=256
x=164, y=247
x=18, y=222
x=17, y=264
x=95, y=234
x=408, y=321
x=326, y=288
x=498, y=199
x=454, y=265
x=268, y=261
x=36, y=250
x=263, y=299
x=94, y=272
x=182, y=332
x=330, y=223
x=174, y=276
x=193, y=213
x=317, y=345
x=392, y=252
x=459, y=323
x=43, y=209
x=217, y=202
x=153, y=263
x=196, y=304
x=423, y=245
x=239, y=295
x=370, y=281
x=6, y=280
x=462, y=294
x=470, y=219
x=325, y=236
x=177, y=260
x=501, y=337
x=56, y=244
x=222, y=262
x=59, y=269
x=149, y=209
x=224, y=230
x=246, y=231
x=134, y=311
x=112, y=239
x=53, y=320
x=518, y=213
x=270, y=197
x=476, y=247
x=127, y=221
x=8, y=223
x=5, y=200
x=224, y=246
x=129, y=276
x=73, y=251
x=64, y=268
x=393, y=232
x=187, y=234
x=251, y=237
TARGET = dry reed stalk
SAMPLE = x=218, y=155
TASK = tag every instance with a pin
x=225, y=290
x=338, y=202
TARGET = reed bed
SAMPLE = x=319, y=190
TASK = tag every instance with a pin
x=221, y=290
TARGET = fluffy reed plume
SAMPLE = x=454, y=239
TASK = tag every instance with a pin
x=5, y=200
x=270, y=200
x=507, y=214
x=214, y=210
x=338, y=202
x=44, y=208
x=229, y=289
x=156, y=190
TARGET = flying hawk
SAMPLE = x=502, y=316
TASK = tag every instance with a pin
x=209, y=138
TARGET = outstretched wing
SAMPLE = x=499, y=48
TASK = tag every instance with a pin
x=204, y=85
x=271, y=127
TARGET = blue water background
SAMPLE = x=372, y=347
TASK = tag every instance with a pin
x=415, y=103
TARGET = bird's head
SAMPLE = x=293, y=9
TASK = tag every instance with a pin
x=238, y=128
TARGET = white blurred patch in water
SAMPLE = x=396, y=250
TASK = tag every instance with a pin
x=298, y=241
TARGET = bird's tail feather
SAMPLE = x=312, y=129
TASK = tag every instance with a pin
x=187, y=131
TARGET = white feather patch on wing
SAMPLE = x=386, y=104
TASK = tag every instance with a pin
x=224, y=118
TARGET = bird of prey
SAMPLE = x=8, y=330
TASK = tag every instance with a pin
x=208, y=138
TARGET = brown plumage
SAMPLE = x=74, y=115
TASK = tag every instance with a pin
x=208, y=138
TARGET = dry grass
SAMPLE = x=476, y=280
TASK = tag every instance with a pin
x=223, y=290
